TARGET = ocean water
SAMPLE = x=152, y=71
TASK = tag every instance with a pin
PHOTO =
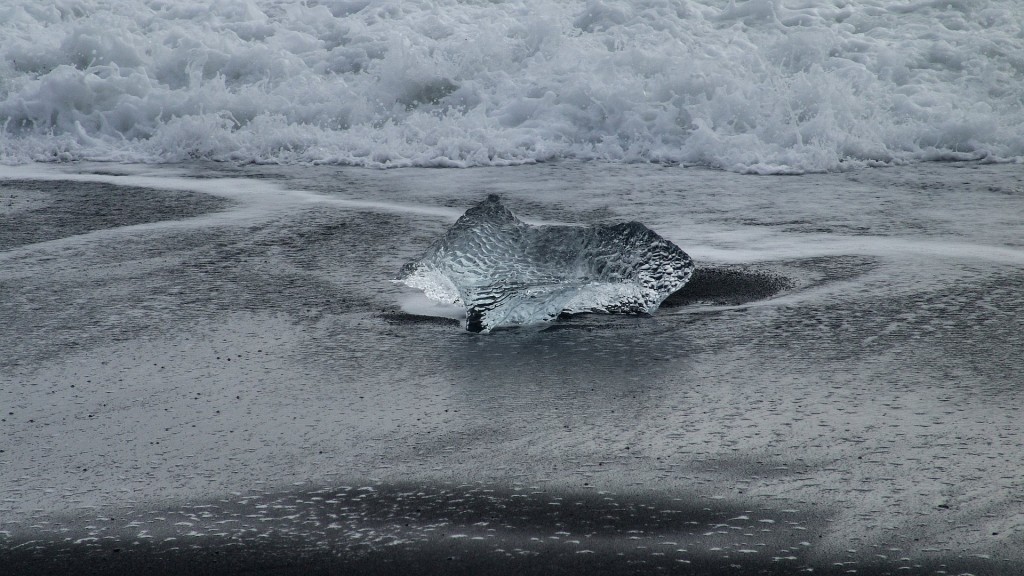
x=205, y=364
x=758, y=86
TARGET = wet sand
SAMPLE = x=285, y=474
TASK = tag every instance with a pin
x=415, y=529
x=217, y=377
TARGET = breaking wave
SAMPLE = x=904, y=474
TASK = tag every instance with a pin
x=762, y=86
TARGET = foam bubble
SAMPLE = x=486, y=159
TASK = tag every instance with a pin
x=760, y=86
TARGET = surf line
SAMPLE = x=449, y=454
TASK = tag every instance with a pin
x=264, y=196
x=248, y=191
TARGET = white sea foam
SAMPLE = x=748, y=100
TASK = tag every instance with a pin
x=766, y=86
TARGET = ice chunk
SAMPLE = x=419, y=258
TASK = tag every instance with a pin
x=508, y=273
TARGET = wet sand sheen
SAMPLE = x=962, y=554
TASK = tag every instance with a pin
x=423, y=529
x=171, y=367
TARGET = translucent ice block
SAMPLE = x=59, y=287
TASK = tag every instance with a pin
x=508, y=273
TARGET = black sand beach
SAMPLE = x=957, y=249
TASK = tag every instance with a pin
x=405, y=529
x=208, y=371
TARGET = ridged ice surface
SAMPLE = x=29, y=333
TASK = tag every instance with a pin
x=508, y=273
